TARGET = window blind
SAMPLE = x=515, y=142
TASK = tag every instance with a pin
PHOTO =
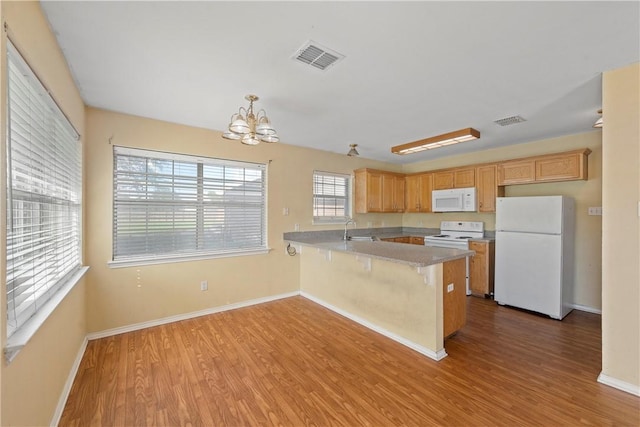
x=331, y=197
x=44, y=191
x=171, y=205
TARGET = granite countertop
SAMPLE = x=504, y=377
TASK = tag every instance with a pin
x=403, y=253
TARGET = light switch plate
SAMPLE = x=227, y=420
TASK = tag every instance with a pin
x=595, y=210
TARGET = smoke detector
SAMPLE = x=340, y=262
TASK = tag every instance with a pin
x=316, y=55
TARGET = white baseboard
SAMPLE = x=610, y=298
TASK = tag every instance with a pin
x=586, y=308
x=185, y=316
x=62, y=401
x=620, y=385
x=441, y=354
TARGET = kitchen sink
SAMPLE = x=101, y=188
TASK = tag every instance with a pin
x=363, y=238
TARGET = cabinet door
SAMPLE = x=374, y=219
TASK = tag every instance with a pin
x=398, y=194
x=478, y=269
x=463, y=178
x=454, y=306
x=426, y=185
x=388, y=188
x=374, y=192
x=405, y=239
x=412, y=194
x=488, y=188
x=481, y=268
x=517, y=172
x=443, y=180
x=416, y=240
x=561, y=168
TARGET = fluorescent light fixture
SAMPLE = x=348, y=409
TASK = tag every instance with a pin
x=455, y=137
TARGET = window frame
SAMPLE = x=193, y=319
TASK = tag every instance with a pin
x=200, y=227
x=49, y=141
x=328, y=220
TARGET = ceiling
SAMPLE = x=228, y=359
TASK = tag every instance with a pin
x=411, y=69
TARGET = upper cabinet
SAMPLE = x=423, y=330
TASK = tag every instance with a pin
x=488, y=188
x=568, y=166
x=454, y=178
x=418, y=192
x=563, y=167
x=516, y=172
x=379, y=191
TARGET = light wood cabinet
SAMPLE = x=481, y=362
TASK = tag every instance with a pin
x=563, y=167
x=454, y=178
x=464, y=178
x=516, y=172
x=378, y=191
x=443, y=180
x=417, y=240
x=454, y=304
x=481, y=268
x=568, y=166
x=381, y=191
x=393, y=193
x=418, y=193
x=402, y=239
x=488, y=190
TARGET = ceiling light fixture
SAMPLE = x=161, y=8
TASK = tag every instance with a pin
x=251, y=128
x=450, y=138
x=353, y=151
x=598, y=123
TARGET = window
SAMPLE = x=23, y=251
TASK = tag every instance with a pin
x=44, y=190
x=331, y=197
x=169, y=207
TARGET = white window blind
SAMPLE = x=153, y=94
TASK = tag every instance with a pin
x=331, y=197
x=170, y=205
x=44, y=191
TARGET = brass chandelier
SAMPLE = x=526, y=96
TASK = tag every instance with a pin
x=251, y=128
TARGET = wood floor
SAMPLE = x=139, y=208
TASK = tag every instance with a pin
x=294, y=363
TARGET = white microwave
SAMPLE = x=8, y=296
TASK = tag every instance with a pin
x=454, y=200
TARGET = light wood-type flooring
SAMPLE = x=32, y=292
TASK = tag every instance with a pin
x=294, y=363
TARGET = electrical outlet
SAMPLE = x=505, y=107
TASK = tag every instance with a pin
x=204, y=285
x=285, y=211
x=296, y=227
x=369, y=224
x=450, y=287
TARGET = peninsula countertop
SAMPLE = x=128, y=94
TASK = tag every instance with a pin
x=403, y=253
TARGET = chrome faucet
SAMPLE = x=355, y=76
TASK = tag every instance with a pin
x=349, y=221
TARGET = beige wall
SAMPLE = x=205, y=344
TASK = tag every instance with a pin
x=588, y=240
x=124, y=296
x=31, y=385
x=621, y=232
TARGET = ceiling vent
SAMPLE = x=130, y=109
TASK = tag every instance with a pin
x=316, y=55
x=510, y=121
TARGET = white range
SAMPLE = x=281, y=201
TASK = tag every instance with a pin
x=456, y=235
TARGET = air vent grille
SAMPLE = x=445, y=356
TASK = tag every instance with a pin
x=318, y=56
x=510, y=120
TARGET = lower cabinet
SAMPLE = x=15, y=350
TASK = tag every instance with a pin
x=414, y=240
x=454, y=303
x=481, y=268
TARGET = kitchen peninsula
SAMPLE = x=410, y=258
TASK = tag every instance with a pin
x=413, y=294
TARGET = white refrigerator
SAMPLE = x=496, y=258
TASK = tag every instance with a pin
x=534, y=253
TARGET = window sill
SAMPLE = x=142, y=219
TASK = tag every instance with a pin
x=134, y=262
x=24, y=333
